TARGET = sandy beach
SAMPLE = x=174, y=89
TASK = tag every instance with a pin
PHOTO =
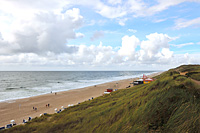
x=23, y=108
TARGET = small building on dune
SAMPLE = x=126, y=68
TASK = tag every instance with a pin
x=138, y=82
x=148, y=80
x=144, y=80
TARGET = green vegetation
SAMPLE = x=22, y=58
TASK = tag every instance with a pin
x=169, y=104
x=192, y=71
x=189, y=68
x=194, y=75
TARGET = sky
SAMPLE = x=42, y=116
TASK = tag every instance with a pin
x=106, y=35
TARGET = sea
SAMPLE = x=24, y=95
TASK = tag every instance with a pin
x=23, y=84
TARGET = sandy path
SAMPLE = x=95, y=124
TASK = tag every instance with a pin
x=196, y=81
x=23, y=108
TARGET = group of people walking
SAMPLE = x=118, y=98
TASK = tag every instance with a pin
x=34, y=108
x=47, y=105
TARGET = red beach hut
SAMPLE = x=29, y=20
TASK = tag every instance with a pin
x=109, y=90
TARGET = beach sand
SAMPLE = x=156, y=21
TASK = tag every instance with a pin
x=23, y=108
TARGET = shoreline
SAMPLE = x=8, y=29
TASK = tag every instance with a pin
x=20, y=109
x=14, y=99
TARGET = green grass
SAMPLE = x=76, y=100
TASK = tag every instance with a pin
x=189, y=68
x=194, y=75
x=169, y=104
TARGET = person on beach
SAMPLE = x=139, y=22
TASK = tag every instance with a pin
x=29, y=118
x=33, y=108
x=55, y=93
x=48, y=105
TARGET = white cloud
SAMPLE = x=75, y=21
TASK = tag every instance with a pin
x=122, y=21
x=36, y=33
x=190, y=58
x=156, y=49
x=114, y=2
x=97, y=35
x=38, y=27
x=153, y=51
x=150, y=49
x=4, y=46
x=181, y=23
x=132, y=30
x=23, y=58
x=182, y=45
x=110, y=9
x=163, y=5
x=159, y=20
x=45, y=32
x=93, y=55
x=111, y=12
x=102, y=8
x=137, y=7
x=166, y=53
x=79, y=35
x=129, y=45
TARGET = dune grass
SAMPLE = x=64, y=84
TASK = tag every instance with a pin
x=169, y=104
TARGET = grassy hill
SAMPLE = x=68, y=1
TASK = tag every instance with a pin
x=169, y=104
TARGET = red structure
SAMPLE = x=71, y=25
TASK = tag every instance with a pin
x=147, y=80
x=144, y=77
x=109, y=90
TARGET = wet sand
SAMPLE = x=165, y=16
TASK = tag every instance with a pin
x=23, y=108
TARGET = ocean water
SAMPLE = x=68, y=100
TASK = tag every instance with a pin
x=17, y=85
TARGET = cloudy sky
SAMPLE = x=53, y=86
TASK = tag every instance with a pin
x=98, y=34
